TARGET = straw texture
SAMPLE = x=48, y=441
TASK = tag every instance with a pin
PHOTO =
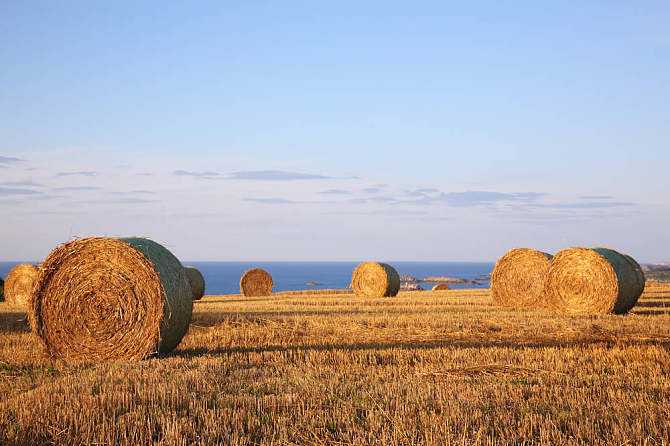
x=518, y=278
x=19, y=282
x=105, y=298
x=372, y=279
x=256, y=282
x=441, y=287
x=592, y=281
x=197, y=282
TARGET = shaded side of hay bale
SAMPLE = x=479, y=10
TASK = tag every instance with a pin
x=373, y=279
x=256, y=282
x=2, y=290
x=591, y=281
x=518, y=278
x=105, y=298
x=197, y=282
x=19, y=284
x=441, y=287
x=641, y=282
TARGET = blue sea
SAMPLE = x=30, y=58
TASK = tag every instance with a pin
x=224, y=277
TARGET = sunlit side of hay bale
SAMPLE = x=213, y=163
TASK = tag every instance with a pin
x=106, y=298
x=592, y=281
x=19, y=283
x=518, y=279
x=441, y=287
x=256, y=282
x=373, y=279
x=196, y=281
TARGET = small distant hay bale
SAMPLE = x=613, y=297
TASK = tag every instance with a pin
x=256, y=282
x=518, y=279
x=373, y=279
x=197, y=282
x=106, y=298
x=592, y=281
x=441, y=287
x=19, y=283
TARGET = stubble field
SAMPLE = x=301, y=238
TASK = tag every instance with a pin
x=428, y=368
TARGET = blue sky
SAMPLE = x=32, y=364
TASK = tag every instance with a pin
x=346, y=131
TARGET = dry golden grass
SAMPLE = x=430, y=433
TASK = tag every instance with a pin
x=421, y=368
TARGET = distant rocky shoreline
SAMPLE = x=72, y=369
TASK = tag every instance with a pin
x=411, y=283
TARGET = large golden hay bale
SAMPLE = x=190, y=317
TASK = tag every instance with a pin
x=256, y=282
x=197, y=282
x=441, y=287
x=106, y=298
x=517, y=280
x=372, y=279
x=592, y=281
x=19, y=282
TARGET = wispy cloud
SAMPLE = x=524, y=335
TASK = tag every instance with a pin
x=82, y=173
x=26, y=183
x=372, y=190
x=77, y=188
x=133, y=192
x=274, y=175
x=335, y=192
x=475, y=198
x=596, y=197
x=585, y=205
x=10, y=160
x=186, y=173
x=253, y=175
x=11, y=191
x=270, y=200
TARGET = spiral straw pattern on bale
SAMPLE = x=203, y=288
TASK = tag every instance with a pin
x=256, y=282
x=441, y=287
x=106, y=298
x=518, y=278
x=19, y=283
x=196, y=281
x=372, y=279
x=592, y=281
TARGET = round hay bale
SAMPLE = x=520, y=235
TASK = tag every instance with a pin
x=256, y=282
x=441, y=287
x=106, y=298
x=372, y=279
x=19, y=282
x=197, y=282
x=591, y=281
x=518, y=278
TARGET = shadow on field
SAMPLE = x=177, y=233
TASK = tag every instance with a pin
x=653, y=303
x=652, y=312
x=214, y=318
x=232, y=301
x=14, y=322
x=459, y=344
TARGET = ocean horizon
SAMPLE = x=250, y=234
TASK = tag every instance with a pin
x=224, y=277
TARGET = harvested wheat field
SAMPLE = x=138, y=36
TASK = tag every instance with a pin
x=421, y=368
